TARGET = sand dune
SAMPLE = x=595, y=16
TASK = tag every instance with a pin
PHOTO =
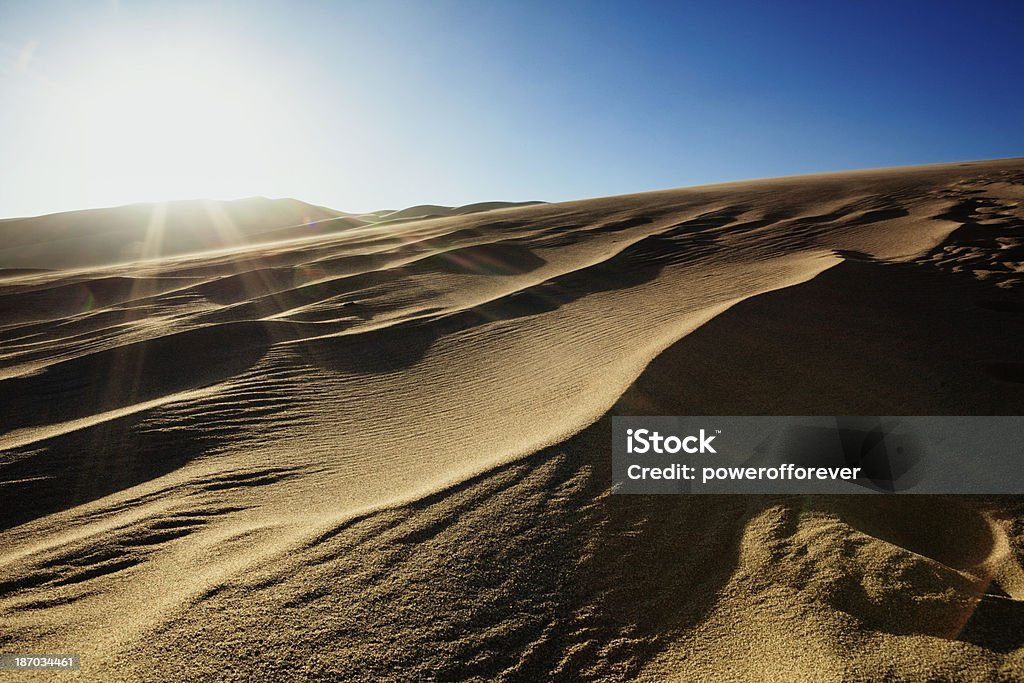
x=383, y=453
x=98, y=237
x=123, y=234
x=421, y=211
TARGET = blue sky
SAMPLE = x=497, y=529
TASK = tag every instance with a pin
x=369, y=105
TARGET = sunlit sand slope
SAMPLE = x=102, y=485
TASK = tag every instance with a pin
x=383, y=453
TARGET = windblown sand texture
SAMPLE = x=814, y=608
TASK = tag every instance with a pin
x=376, y=448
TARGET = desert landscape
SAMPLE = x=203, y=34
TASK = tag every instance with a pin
x=262, y=440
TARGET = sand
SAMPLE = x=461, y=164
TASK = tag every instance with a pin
x=381, y=450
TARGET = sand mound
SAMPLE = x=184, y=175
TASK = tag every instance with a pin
x=384, y=453
x=96, y=237
x=421, y=211
x=103, y=237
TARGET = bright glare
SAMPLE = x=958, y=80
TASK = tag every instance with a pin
x=176, y=123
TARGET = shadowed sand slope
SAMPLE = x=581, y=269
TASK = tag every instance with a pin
x=383, y=454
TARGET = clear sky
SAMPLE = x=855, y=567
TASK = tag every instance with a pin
x=376, y=104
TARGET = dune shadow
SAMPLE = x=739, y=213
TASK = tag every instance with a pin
x=922, y=525
x=878, y=215
x=403, y=344
x=78, y=467
x=374, y=352
x=55, y=301
x=997, y=624
x=131, y=374
x=501, y=258
x=1002, y=305
x=883, y=339
x=1007, y=371
x=618, y=224
x=82, y=465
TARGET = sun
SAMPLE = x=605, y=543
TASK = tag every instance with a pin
x=177, y=121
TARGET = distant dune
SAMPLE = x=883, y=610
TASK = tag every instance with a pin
x=377, y=446
x=435, y=211
x=97, y=237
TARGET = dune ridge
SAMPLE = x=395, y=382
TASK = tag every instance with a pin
x=141, y=232
x=382, y=452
